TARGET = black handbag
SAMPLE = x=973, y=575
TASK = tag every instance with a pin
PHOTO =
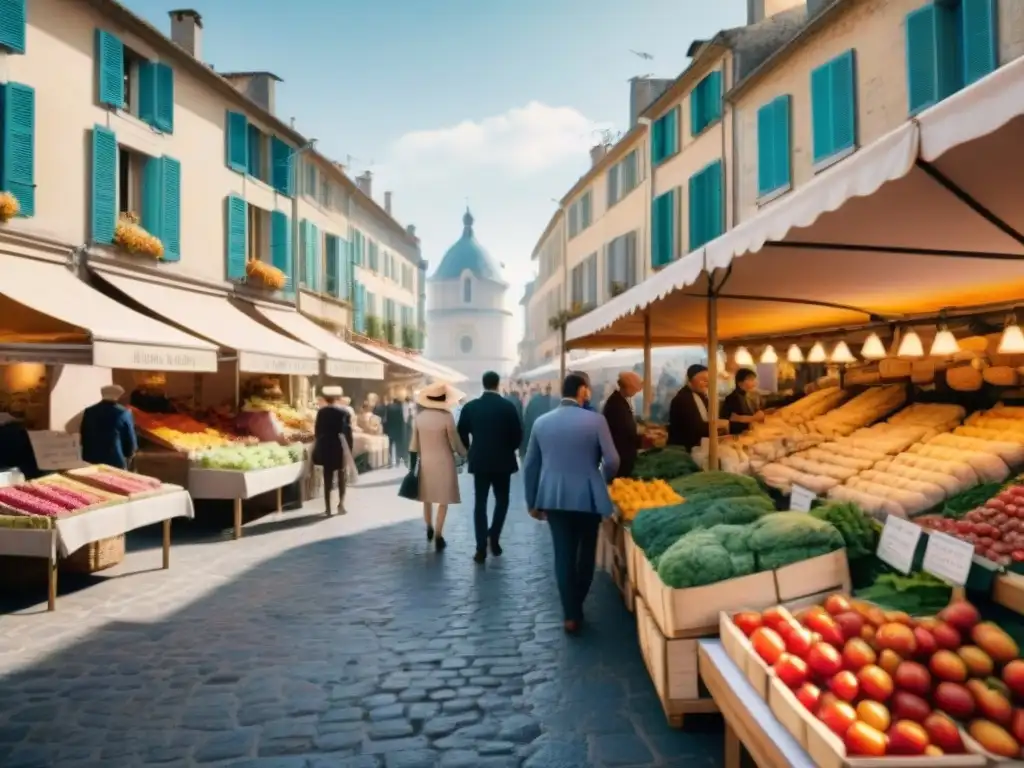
x=410, y=487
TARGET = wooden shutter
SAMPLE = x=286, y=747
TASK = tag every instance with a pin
x=109, y=69
x=170, y=177
x=236, y=129
x=281, y=166
x=12, y=25
x=104, y=184
x=980, y=46
x=18, y=159
x=236, y=227
x=164, y=117
x=281, y=244
x=844, y=101
x=821, y=112
x=766, y=181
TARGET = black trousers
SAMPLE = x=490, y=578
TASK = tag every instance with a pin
x=329, y=484
x=483, y=484
x=574, y=536
x=397, y=449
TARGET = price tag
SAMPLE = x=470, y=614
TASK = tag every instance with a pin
x=948, y=558
x=800, y=499
x=56, y=450
x=898, y=543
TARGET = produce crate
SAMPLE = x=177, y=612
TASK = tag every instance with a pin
x=86, y=475
x=738, y=648
x=672, y=665
x=824, y=574
x=631, y=552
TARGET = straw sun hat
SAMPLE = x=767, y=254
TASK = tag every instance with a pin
x=439, y=395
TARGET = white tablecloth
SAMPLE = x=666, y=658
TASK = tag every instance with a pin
x=229, y=484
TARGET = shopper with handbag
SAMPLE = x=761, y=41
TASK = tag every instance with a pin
x=435, y=441
x=332, y=445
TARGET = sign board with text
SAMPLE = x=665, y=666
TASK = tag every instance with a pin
x=800, y=499
x=255, y=362
x=898, y=543
x=948, y=558
x=56, y=450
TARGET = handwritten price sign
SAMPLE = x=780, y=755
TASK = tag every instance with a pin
x=898, y=542
x=948, y=558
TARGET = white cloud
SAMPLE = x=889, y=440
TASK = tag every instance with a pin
x=520, y=142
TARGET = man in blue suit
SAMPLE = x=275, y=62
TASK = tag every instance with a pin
x=108, y=431
x=570, y=460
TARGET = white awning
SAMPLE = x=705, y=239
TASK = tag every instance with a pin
x=414, y=363
x=443, y=371
x=341, y=360
x=547, y=370
x=927, y=218
x=211, y=316
x=120, y=337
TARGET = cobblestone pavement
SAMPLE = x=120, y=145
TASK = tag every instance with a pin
x=343, y=642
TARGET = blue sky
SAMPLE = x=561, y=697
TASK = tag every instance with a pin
x=494, y=101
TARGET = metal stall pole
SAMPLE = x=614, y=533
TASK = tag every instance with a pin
x=713, y=376
x=648, y=386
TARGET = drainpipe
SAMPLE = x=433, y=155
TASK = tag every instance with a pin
x=645, y=146
x=565, y=293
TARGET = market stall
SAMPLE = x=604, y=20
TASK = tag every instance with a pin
x=411, y=363
x=79, y=518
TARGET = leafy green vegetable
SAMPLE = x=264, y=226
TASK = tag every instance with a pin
x=719, y=485
x=691, y=515
x=857, y=529
x=959, y=505
x=918, y=594
x=703, y=557
x=665, y=463
x=789, y=537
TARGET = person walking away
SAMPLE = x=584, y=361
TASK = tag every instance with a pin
x=588, y=404
x=689, y=409
x=394, y=428
x=490, y=427
x=569, y=462
x=108, y=431
x=333, y=425
x=618, y=412
x=517, y=403
x=742, y=406
x=435, y=440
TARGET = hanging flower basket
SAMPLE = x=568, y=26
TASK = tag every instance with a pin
x=131, y=237
x=9, y=206
x=266, y=275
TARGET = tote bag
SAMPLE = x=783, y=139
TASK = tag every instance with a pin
x=410, y=487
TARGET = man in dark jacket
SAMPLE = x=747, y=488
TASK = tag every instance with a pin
x=333, y=425
x=489, y=426
x=108, y=431
x=622, y=421
x=394, y=428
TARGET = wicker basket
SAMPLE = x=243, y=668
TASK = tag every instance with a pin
x=98, y=556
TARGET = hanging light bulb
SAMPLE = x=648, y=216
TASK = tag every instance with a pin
x=794, y=354
x=769, y=356
x=817, y=353
x=910, y=345
x=842, y=354
x=944, y=344
x=742, y=357
x=873, y=348
x=1012, y=342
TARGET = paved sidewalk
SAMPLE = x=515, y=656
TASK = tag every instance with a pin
x=341, y=642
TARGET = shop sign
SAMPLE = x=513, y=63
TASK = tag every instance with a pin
x=254, y=362
x=56, y=450
x=354, y=369
x=150, y=358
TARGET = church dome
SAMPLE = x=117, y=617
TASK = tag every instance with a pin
x=468, y=254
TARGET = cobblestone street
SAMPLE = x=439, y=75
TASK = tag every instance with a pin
x=344, y=642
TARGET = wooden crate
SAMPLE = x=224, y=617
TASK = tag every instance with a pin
x=742, y=654
x=631, y=552
x=672, y=665
x=828, y=573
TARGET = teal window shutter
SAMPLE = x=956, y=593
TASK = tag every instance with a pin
x=281, y=244
x=672, y=132
x=147, y=92
x=236, y=133
x=18, y=158
x=782, y=152
x=153, y=197
x=281, y=166
x=170, y=176
x=164, y=117
x=12, y=25
x=657, y=142
x=844, y=102
x=104, y=185
x=696, y=206
x=331, y=264
x=714, y=95
x=922, y=61
x=359, y=307
x=715, y=223
x=821, y=112
x=663, y=229
x=345, y=271
x=697, y=109
x=980, y=42
x=255, y=141
x=109, y=69
x=706, y=102
x=236, y=230
x=766, y=149
x=317, y=257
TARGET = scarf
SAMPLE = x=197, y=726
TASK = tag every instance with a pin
x=702, y=409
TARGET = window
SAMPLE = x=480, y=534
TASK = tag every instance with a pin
x=467, y=290
x=583, y=289
x=664, y=230
x=706, y=103
x=130, y=63
x=466, y=345
x=310, y=247
x=258, y=224
x=834, y=107
x=257, y=165
x=665, y=136
x=706, y=219
x=130, y=168
x=580, y=214
x=773, y=146
x=311, y=187
x=622, y=178
x=620, y=263
x=325, y=191
x=949, y=45
x=127, y=81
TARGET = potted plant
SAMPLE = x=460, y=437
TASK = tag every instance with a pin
x=408, y=337
x=389, y=332
x=373, y=327
x=130, y=236
x=9, y=206
x=266, y=275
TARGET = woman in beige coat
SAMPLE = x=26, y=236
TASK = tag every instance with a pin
x=436, y=441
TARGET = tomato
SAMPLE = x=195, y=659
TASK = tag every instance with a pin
x=747, y=621
x=809, y=695
x=767, y=644
x=775, y=618
x=865, y=741
x=837, y=716
x=798, y=641
x=791, y=670
x=824, y=660
x=844, y=685
x=874, y=714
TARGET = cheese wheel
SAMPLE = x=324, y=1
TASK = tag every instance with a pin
x=1001, y=376
x=964, y=379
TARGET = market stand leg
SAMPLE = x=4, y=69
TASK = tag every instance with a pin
x=51, y=573
x=167, y=544
x=238, y=518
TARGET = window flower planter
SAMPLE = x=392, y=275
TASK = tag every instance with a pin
x=131, y=237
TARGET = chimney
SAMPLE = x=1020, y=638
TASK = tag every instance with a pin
x=258, y=86
x=597, y=152
x=644, y=91
x=365, y=183
x=187, y=31
x=759, y=10
x=387, y=203
x=411, y=229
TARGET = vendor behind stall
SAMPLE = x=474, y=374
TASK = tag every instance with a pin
x=618, y=412
x=743, y=406
x=108, y=430
x=688, y=412
x=149, y=396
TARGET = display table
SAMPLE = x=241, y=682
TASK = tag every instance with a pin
x=67, y=535
x=238, y=486
x=749, y=723
x=376, y=447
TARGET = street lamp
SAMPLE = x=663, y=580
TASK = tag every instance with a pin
x=294, y=158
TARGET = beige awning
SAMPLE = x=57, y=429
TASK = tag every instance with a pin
x=120, y=337
x=259, y=349
x=341, y=360
x=415, y=363
x=929, y=218
x=443, y=371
